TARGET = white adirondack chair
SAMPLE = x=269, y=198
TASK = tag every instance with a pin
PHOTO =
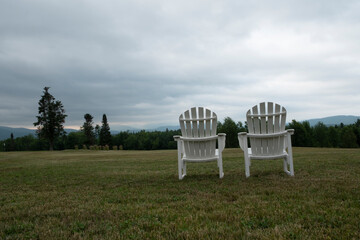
x=268, y=137
x=198, y=140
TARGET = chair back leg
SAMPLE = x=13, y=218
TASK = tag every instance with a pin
x=180, y=161
x=291, y=165
x=220, y=165
x=290, y=155
x=184, y=168
x=180, y=167
x=246, y=157
x=286, y=162
x=247, y=166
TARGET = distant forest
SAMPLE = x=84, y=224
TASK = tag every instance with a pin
x=320, y=135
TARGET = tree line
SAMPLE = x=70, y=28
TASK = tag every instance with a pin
x=320, y=135
x=51, y=134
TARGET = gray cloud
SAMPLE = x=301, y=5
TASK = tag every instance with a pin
x=143, y=63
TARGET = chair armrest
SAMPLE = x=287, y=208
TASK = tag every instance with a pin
x=198, y=139
x=291, y=131
x=176, y=137
x=221, y=141
x=267, y=135
x=242, y=137
x=288, y=141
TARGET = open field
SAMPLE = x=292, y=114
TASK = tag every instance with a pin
x=137, y=195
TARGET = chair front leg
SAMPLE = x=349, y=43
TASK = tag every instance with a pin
x=220, y=165
x=180, y=160
x=221, y=142
x=180, y=164
x=290, y=154
x=184, y=168
x=243, y=142
x=286, y=162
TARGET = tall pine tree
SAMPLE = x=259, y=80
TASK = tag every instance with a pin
x=105, y=135
x=97, y=132
x=51, y=118
x=88, y=129
x=12, y=142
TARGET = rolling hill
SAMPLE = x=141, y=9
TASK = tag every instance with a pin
x=334, y=120
x=5, y=132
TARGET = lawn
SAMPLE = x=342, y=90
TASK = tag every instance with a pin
x=137, y=195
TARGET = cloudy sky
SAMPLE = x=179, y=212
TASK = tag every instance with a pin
x=142, y=63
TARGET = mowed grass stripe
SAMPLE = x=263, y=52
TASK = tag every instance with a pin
x=137, y=195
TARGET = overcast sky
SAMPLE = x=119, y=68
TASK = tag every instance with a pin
x=143, y=63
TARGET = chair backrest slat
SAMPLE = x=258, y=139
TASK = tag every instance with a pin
x=277, y=128
x=263, y=119
x=188, y=148
x=270, y=127
x=201, y=123
x=282, y=128
x=207, y=132
x=257, y=145
x=201, y=132
x=213, y=133
x=187, y=124
x=195, y=132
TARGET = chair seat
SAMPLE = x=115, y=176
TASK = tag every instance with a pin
x=208, y=159
x=284, y=154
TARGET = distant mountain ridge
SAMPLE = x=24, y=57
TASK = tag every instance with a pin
x=149, y=129
x=5, y=132
x=334, y=120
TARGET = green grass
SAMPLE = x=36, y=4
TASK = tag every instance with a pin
x=137, y=195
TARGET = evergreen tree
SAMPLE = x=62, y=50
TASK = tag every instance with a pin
x=51, y=118
x=321, y=136
x=231, y=129
x=88, y=129
x=299, y=139
x=97, y=133
x=309, y=134
x=334, y=137
x=348, y=137
x=357, y=131
x=105, y=135
x=12, y=143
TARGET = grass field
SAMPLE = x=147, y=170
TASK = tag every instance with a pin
x=137, y=195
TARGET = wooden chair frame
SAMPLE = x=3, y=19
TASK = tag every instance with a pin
x=268, y=137
x=198, y=140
